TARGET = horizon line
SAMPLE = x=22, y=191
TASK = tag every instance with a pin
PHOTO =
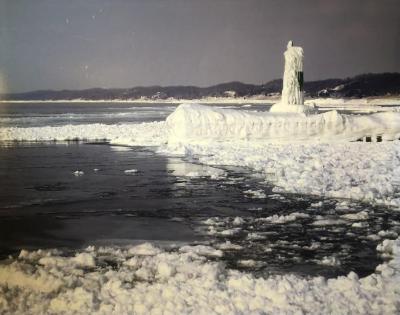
x=188, y=85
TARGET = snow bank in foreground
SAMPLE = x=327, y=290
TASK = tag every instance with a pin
x=125, y=134
x=362, y=171
x=147, y=280
x=198, y=122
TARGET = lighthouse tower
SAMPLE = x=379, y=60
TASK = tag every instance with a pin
x=293, y=79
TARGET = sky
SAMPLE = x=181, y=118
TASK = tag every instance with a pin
x=77, y=44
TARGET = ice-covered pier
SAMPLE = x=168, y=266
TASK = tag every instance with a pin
x=288, y=120
x=193, y=122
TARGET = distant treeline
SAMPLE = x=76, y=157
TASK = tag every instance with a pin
x=364, y=85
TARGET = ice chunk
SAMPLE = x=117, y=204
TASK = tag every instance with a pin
x=360, y=224
x=229, y=246
x=328, y=221
x=230, y=232
x=131, y=171
x=250, y=263
x=194, y=170
x=238, y=221
x=202, y=250
x=388, y=234
x=256, y=194
x=85, y=260
x=330, y=261
x=145, y=249
x=165, y=270
x=363, y=215
x=118, y=148
x=280, y=219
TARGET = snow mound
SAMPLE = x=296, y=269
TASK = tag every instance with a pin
x=194, y=122
x=111, y=280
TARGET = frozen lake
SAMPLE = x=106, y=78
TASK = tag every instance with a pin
x=130, y=195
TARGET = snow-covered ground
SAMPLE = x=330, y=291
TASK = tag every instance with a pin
x=145, y=279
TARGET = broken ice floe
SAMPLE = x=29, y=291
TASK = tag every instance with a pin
x=131, y=171
x=151, y=280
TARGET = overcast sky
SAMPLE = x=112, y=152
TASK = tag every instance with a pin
x=76, y=44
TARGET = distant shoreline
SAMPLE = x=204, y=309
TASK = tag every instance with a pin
x=167, y=101
x=321, y=102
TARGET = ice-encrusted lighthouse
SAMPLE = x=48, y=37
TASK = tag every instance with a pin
x=293, y=79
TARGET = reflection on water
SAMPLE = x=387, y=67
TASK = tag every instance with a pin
x=45, y=204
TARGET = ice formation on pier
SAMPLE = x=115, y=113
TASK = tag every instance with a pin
x=293, y=79
x=292, y=93
x=199, y=123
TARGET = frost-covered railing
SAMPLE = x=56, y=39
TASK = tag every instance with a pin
x=193, y=122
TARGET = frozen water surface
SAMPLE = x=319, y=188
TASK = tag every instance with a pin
x=168, y=199
x=171, y=234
